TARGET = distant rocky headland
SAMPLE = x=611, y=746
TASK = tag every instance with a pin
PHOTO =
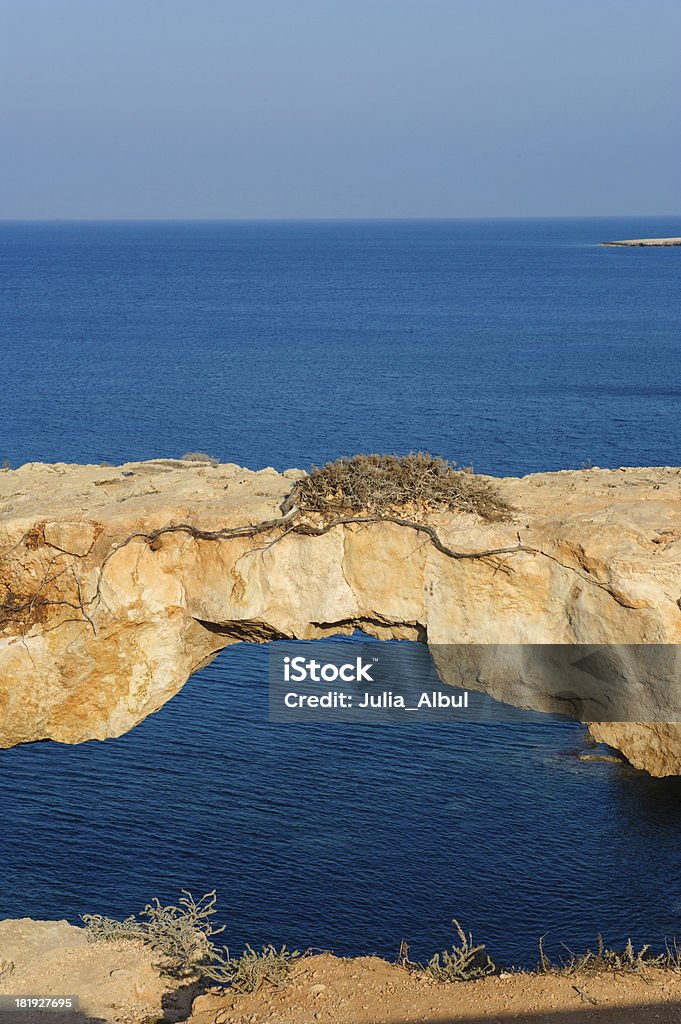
x=632, y=242
x=117, y=583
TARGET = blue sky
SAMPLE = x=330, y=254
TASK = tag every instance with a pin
x=339, y=108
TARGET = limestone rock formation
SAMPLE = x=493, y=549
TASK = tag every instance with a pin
x=117, y=583
x=642, y=242
x=113, y=981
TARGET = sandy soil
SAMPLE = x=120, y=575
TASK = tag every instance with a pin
x=367, y=990
x=123, y=983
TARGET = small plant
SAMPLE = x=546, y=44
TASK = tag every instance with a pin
x=672, y=957
x=464, y=962
x=628, y=960
x=199, y=457
x=182, y=934
x=248, y=971
x=381, y=484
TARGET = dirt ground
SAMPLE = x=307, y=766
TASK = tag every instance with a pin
x=123, y=983
x=329, y=990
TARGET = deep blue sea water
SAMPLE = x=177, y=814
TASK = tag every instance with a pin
x=514, y=346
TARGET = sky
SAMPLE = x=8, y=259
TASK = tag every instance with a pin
x=339, y=108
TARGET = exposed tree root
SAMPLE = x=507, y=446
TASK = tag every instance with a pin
x=287, y=523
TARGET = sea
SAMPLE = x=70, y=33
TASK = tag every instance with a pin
x=512, y=346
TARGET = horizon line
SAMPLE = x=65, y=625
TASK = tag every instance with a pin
x=328, y=220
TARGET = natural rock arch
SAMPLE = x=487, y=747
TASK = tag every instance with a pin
x=118, y=583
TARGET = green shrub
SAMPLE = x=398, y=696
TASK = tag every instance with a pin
x=253, y=967
x=464, y=962
x=182, y=935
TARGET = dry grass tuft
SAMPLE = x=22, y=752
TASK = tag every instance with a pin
x=383, y=484
x=199, y=457
x=254, y=967
x=182, y=934
x=628, y=960
x=464, y=962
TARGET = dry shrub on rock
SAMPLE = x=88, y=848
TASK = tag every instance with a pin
x=381, y=484
x=199, y=457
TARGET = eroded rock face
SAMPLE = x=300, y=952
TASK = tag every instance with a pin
x=102, y=618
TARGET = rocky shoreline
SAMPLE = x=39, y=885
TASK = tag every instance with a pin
x=634, y=242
